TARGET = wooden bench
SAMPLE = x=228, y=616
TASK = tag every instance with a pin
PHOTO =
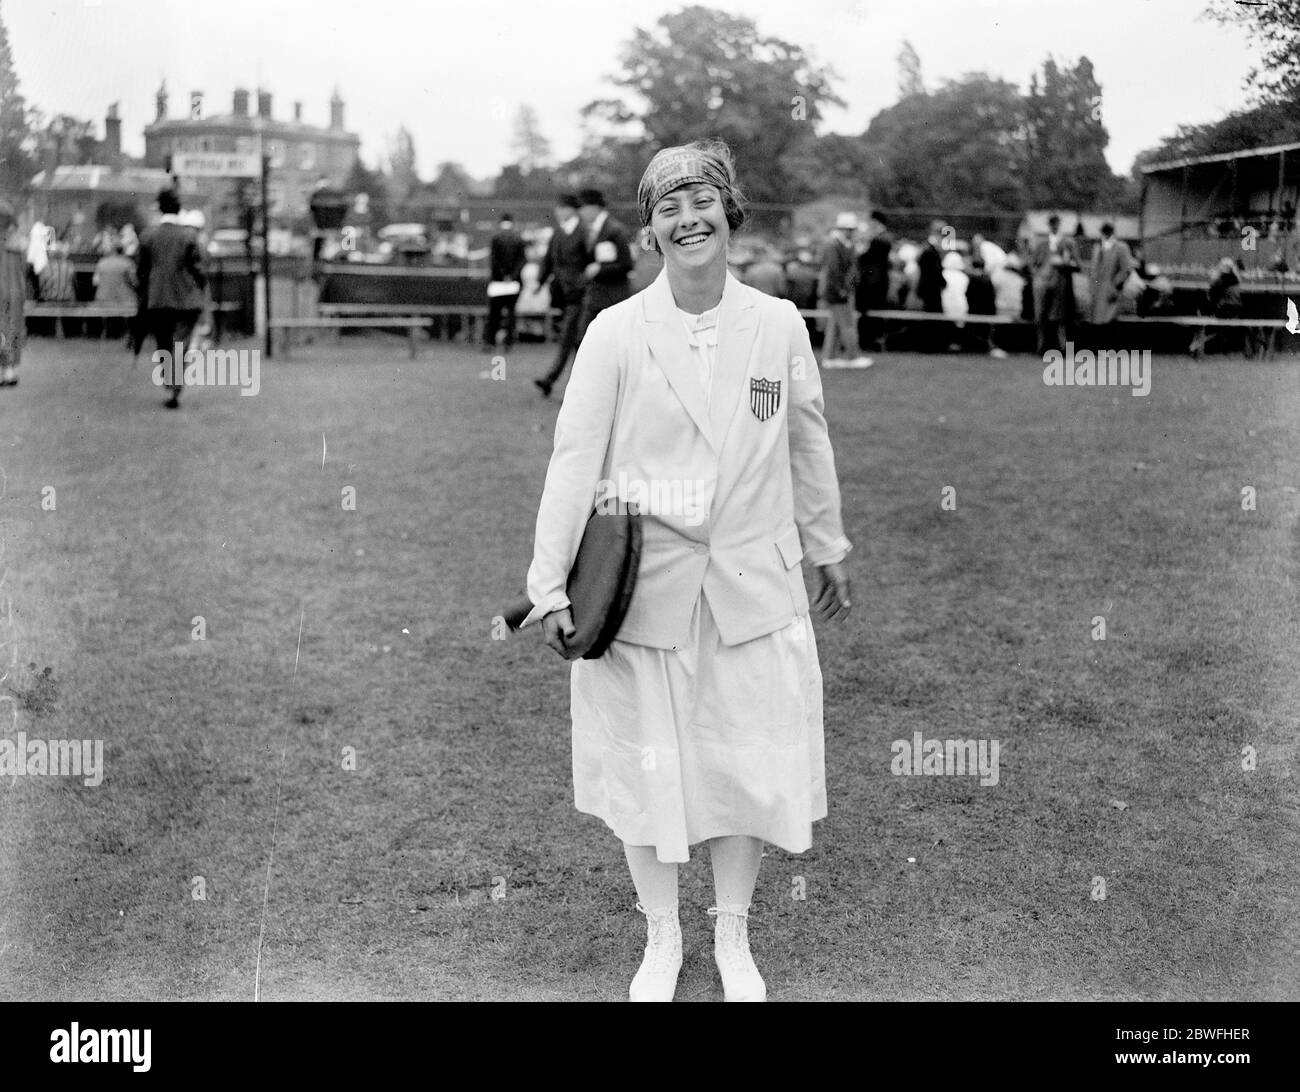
x=471, y=313
x=61, y=312
x=1203, y=324
x=411, y=323
x=905, y=318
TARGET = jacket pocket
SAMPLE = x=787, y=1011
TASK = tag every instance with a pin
x=789, y=547
x=790, y=552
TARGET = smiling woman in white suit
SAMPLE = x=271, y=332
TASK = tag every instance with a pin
x=703, y=719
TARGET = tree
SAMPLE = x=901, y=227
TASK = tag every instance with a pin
x=374, y=184
x=1066, y=140
x=843, y=166
x=909, y=72
x=1275, y=28
x=69, y=140
x=452, y=182
x=532, y=150
x=17, y=164
x=707, y=73
x=960, y=147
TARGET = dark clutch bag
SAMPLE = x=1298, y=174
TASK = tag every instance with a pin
x=601, y=581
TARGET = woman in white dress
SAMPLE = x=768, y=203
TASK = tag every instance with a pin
x=699, y=400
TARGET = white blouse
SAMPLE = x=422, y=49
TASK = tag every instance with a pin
x=702, y=335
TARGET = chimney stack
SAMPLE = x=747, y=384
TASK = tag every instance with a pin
x=113, y=137
x=160, y=101
x=297, y=111
x=264, y=104
x=241, y=102
x=336, y=111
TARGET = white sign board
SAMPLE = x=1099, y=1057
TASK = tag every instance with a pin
x=216, y=165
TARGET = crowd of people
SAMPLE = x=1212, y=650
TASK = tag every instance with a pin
x=586, y=262
x=857, y=272
x=863, y=270
x=161, y=277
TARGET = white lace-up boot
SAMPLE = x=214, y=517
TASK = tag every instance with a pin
x=657, y=978
x=740, y=978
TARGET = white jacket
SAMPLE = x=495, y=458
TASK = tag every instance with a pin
x=635, y=411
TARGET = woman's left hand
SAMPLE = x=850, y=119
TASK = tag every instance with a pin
x=832, y=603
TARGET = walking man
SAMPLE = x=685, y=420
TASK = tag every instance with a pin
x=611, y=259
x=564, y=267
x=172, y=283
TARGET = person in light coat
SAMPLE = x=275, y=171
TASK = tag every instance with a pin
x=703, y=720
x=1112, y=262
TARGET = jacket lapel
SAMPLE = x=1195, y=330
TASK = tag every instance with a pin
x=737, y=328
x=668, y=346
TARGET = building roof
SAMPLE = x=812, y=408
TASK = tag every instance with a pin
x=241, y=124
x=107, y=180
x=1222, y=157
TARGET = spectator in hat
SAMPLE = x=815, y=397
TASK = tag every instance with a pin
x=930, y=279
x=611, y=259
x=873, y=278
x=13, y=294
x=115, y=280
x=508, y=255
x=1112, y=262
x=992, y=255
x=1053, y=262
x=1009, y=286
x=1157, y=296
x=564, y=268
x=981, y=299
x=839, y=277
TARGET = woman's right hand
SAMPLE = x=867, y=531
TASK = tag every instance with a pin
x=558, y=628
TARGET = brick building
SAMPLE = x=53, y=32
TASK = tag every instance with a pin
x=300, y=153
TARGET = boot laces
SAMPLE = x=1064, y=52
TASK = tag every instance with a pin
x=661, y=934
x=731, y=939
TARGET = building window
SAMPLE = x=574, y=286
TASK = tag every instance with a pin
x=307, y=157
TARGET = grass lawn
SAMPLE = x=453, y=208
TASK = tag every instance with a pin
x=371, y=629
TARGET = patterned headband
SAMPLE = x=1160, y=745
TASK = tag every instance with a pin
x=672, y=168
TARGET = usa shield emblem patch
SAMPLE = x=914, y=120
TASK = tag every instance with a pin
x=764, y=397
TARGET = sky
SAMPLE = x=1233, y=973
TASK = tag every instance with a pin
x=456, y=73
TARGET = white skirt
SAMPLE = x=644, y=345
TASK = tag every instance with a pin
x=671, y=748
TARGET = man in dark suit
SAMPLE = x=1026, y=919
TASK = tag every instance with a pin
x=873, y=279
x=611, y=259
x=564, y=268
x=507, y=260
x=172, y=283
x=1053, y=263
x=930, y=283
